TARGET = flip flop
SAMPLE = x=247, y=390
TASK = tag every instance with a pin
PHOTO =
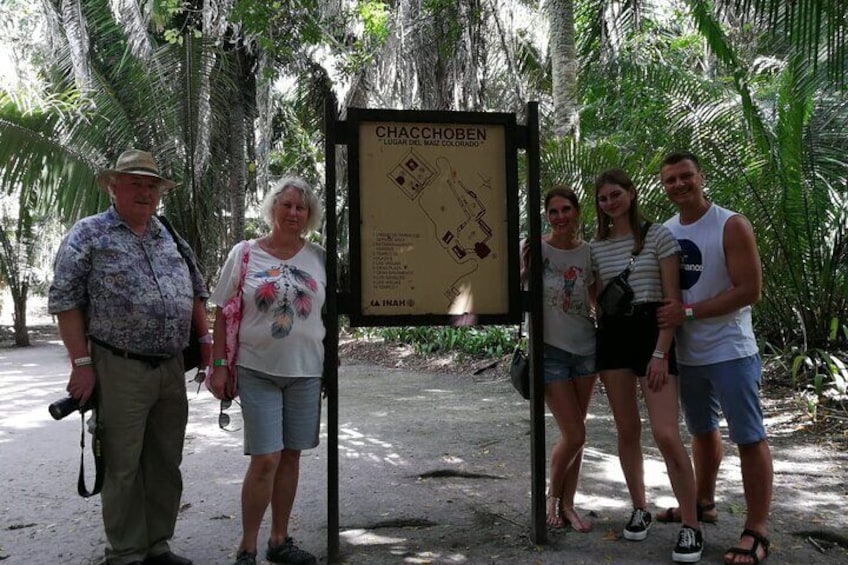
x=759, y=540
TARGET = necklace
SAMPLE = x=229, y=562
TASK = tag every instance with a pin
x=281, y=251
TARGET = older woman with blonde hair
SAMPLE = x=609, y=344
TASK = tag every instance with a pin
x=280, y=361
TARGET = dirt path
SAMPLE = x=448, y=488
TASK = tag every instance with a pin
x=434, y=469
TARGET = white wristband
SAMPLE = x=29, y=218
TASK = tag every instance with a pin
x=81, y=361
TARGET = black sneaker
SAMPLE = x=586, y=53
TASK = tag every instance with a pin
x=244, y=557
x=288, y=552
x=638, y=526
x=690, y=544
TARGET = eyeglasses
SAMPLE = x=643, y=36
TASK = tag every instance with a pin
x=199, y=378
x=223, y=417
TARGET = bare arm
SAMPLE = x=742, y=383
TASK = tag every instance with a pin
x=742, y=260
x=222, y=384
x=525, y=262
x=743, y=267
x=201, y=326
x=72, y=332
x=670, y=278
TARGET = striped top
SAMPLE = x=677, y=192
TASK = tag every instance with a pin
x=611, y=256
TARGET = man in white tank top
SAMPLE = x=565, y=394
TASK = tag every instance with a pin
x=717, y=353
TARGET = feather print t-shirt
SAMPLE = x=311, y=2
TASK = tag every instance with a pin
x=281, y=330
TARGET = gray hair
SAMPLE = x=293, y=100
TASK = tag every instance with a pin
x=313, y=221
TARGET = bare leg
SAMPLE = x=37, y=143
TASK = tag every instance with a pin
x=285, y=489
x=562, y=401
x=664, y=412
x=620, y=385
x=707, y=454
x=256, y=495
x=757, y=477
x=584, y=387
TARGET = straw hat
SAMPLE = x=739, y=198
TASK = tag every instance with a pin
x=134, y=162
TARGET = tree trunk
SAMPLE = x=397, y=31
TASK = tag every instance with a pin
x=236, y=188
x=563, y=67
x=19, y=298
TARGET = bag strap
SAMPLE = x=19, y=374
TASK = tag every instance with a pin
x=177, y=239
x=98, y=458
x=245, y=259
x=636, y=251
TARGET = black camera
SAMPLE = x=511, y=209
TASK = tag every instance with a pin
x=62, y=408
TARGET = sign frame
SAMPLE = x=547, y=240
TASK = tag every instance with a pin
x=356, y=118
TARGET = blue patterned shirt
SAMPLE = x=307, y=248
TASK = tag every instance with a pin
x=136, y=291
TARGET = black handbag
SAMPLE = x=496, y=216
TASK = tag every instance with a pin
x=616, y=298
x=519, y=369
x=519, y=372
x=191, y=353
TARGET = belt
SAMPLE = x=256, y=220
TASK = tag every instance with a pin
x=153, y=360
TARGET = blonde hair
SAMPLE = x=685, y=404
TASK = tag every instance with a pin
x=313, y=221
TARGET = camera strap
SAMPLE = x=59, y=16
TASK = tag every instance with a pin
x=98, y=458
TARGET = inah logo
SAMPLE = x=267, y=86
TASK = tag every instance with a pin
x=396, y=302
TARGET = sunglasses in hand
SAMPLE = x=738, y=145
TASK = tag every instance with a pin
x=223, y=417
x=199, y=378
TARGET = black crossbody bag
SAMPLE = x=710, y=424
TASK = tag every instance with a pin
x=616, y=298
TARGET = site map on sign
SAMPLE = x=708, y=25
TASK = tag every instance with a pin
x=434, y=223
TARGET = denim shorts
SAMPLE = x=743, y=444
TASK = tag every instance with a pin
x=732, y=386
x=279, y=412
x=560, y=365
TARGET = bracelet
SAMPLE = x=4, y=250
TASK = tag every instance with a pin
x=689, y=312
x=81, y=361
x=205, y=338
x=219, y=363
x=659, y=354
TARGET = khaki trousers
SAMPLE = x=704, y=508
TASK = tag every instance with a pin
x=143, y=415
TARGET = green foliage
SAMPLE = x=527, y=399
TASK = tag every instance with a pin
x=822, y=377
x=487, y=341
x=281, y=28
x=375, y=17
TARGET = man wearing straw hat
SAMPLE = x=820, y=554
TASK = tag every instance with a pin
x=125, y=300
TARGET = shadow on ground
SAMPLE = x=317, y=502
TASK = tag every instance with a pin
x=434, y=468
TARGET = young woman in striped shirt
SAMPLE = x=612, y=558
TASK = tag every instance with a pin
x=631, y=348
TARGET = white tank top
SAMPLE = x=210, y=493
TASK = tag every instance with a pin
x=703, y=275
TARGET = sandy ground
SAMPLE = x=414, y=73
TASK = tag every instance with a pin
x=398, y=428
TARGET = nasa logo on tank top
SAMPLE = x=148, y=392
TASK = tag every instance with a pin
x=691, y=264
